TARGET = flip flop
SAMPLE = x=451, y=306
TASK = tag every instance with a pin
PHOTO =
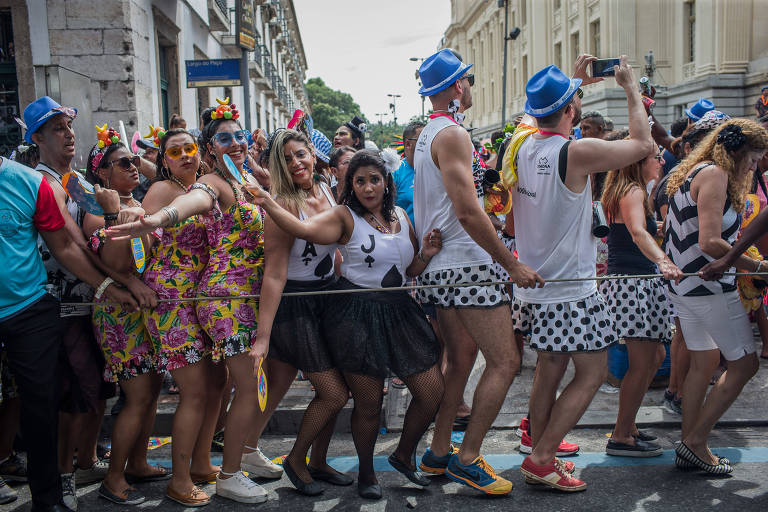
x=132, y=496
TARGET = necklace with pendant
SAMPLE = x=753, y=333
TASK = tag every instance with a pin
x=380, y=227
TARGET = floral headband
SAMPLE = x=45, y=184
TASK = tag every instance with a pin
x=225, y=110
x=731, y=137
x=106, y=137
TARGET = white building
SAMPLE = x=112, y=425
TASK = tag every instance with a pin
x=716, y=49
x=125, y=60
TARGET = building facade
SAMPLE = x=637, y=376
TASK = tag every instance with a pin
x=124, y=60
x=714, y=49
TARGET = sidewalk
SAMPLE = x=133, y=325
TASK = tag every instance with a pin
x=748, y=410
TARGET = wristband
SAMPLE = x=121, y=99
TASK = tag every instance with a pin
x=103, y=287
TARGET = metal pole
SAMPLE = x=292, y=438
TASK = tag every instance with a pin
x=422, y=106
x=246, y=82
x=504, y=78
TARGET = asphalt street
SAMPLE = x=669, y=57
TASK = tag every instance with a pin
x=615, y=483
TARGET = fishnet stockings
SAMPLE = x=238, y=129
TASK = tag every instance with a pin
x=331, y=395
x=427, y=391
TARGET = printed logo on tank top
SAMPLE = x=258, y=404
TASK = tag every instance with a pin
x=393, y=277
x=310, y=254
x=543, y=167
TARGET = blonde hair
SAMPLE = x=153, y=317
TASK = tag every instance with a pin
x=708, y=150
x=282, y=184
x=619, y=183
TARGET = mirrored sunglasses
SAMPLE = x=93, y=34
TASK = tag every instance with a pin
x=471, y=79
x=227, y=138
x=174, y=152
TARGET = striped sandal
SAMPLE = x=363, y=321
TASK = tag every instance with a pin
x=685, y=453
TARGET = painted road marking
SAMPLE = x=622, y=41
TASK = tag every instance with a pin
x=758, y=454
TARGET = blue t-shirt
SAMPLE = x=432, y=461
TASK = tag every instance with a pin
x=670, y=161
x=27, y=206
x=404, y=185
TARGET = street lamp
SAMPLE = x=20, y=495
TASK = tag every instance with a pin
x=419, y=59
x=393, y=105
x=508, y=36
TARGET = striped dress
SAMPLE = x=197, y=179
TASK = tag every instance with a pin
x=681, y=242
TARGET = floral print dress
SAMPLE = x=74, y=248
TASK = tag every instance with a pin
x=174, y=272
x=120, y=333
x=235, y=267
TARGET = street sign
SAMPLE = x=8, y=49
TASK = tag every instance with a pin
x=213, y=72
x=245, y=24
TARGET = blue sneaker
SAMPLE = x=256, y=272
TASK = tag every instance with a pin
x=431, y=463
x=478, y=474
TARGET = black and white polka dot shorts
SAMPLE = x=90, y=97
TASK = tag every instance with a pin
x=579, y=326
x=463, y=297
x=640, y=308
x=509, y=242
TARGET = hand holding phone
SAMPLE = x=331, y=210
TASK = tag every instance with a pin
x=604, y=67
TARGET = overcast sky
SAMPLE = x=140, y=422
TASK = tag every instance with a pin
x=363, y=48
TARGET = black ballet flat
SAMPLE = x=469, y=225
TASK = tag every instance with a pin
x=334, y=478
x=308, y=489
x=414, y=475
x=369, y=491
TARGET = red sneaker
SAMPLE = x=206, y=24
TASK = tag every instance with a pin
x=553, y=474
x=567, y=466
x=524, y=427
x=563, y=450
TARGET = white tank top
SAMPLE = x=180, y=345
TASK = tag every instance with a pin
x=553, y=225
x=308, y=261
x=373, y=259
x=432, y=208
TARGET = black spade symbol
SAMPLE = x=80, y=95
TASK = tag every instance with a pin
x=324, y=266
x=392, y=278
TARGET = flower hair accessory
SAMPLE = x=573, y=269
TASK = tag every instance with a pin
x=225, y=110
x=731, y=137
x=156, y=133
x=106, y=136
x=391, y=159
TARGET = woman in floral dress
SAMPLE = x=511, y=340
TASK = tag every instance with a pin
x=182, y=346
x=234, y=230
x=130, y=359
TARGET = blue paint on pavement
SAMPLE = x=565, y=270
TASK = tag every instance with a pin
x=755, y=454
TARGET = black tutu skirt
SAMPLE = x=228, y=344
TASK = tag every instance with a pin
x=379, y=333
x=297, y=337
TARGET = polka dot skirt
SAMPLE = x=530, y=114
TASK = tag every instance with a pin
x=464, y=297
x=509, y=242
x=580, y=326
x=639, y=307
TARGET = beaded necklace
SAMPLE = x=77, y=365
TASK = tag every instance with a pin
x=178, y=182
x=380, y=227
x=238, y=195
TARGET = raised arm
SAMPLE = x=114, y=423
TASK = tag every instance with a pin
x=586, y=156
x=452, y=149
x=633, y=215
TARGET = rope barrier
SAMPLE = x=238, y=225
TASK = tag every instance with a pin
x=416, y=287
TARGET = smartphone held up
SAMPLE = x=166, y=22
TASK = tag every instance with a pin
x=604, y=67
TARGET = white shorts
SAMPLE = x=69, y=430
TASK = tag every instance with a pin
x=713, y=322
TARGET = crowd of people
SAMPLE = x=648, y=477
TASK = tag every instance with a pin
x=158, y=276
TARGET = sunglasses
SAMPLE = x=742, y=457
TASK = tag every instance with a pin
x=471, y=79
x=125, y=162
x=579, y=93
x=174, y=152
x=227, y=138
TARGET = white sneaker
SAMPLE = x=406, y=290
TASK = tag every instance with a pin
x=95, y=473
x=240, y=488
x=258, y=465
x=69, y=493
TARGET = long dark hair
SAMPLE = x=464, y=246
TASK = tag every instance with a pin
x=163, y=173
x=363, y=158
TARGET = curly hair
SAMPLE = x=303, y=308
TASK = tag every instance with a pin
x=364, y=158
x=163, y=173
x=710, y=150
x=282, y=184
